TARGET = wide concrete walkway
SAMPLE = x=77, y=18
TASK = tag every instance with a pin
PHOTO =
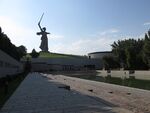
x=38, y=94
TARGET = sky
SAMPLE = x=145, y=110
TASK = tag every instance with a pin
x=76, y=26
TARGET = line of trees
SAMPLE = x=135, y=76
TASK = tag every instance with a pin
x=130, y=54
x=11, y=49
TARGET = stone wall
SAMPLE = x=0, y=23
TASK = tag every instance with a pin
x=8, y=65
x=144, y=75
x=64, y=64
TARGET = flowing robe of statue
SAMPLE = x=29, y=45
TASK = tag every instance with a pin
x=44, y=40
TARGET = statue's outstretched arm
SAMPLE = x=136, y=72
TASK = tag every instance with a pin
x=39, y=33
x=48, y=33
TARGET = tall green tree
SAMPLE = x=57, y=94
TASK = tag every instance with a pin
x=129, y=53
x=9, y=48
x=118, y=49
x=110, y=62
x=146, y=49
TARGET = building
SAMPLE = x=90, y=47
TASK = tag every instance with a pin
x=99, y=55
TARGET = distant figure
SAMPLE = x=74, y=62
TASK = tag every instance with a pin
x=44, y=40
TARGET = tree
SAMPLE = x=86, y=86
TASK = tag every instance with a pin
x=110, y=62
x=22, y=50
x=34, y=54
x=9, y=48
x=130, y=57
x=118, y=49
x=146, y=49
x=129, y=53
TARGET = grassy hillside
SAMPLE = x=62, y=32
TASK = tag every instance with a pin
x=51, y=55
x=58, y=55
x=55, y=55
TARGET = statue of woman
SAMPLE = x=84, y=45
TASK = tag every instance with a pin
x=44, y=40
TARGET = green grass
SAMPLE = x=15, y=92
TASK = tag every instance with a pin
x=54, y=55
x=58, y=55
x=137, y=83
x=14, y=82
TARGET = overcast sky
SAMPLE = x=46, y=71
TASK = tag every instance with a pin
x=76, y=26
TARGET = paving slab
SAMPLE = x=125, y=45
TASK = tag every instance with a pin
x=38, y=94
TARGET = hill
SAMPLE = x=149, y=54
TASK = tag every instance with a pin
x=55, y=55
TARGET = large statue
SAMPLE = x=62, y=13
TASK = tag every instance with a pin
x=44, y=40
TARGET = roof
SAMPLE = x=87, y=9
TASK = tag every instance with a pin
x=100, y=52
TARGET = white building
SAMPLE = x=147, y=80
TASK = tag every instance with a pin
x=99, y=55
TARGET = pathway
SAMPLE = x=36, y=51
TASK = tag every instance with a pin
x=38, y=94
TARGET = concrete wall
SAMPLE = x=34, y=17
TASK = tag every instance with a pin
x=39, y=67
x=8, y=65
x=58, y=64
x=145, y=75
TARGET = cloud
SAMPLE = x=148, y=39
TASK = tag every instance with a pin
x=94, y=43
x=99, y=41
x=84, y=46
x=19, y=34
x=133, y=36
x=14, y=30
x=11, y=27
x=146, y=23
x=109, y=31
x=23, y=35
x=56, y=37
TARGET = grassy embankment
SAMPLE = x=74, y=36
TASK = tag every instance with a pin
x=13, y=83
x=55, y=55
